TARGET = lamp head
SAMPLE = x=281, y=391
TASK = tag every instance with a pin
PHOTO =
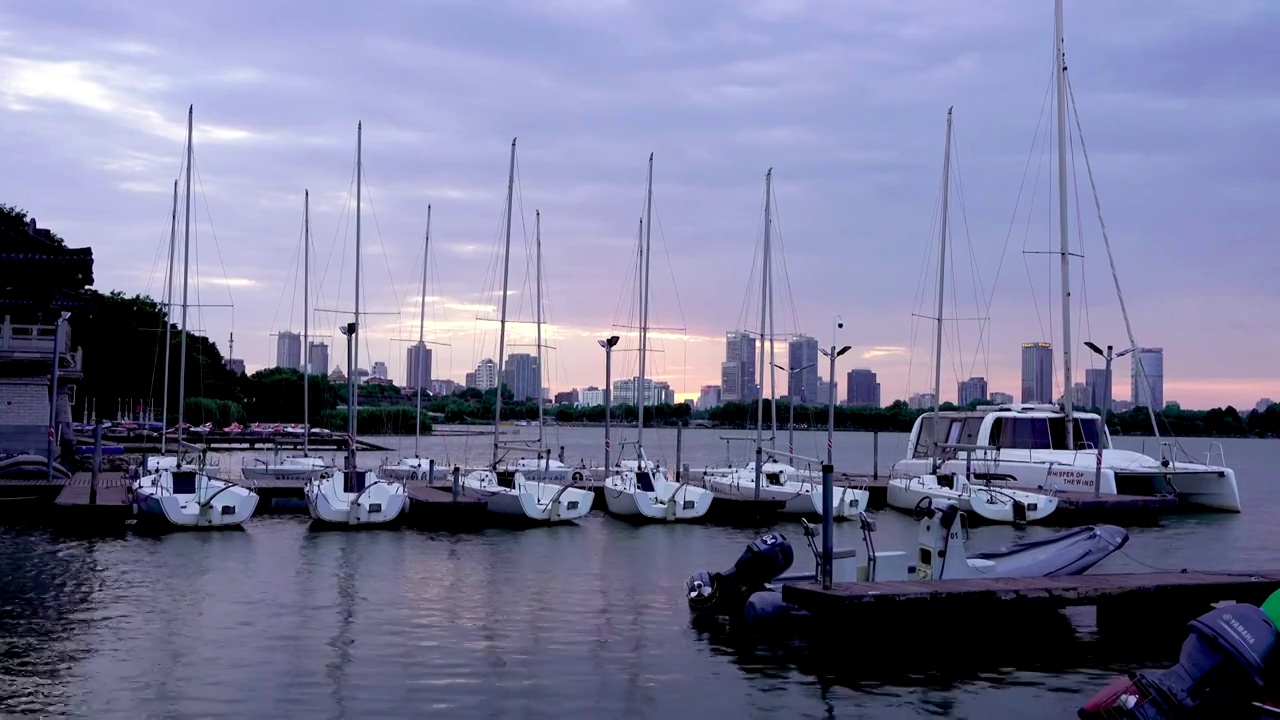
x=844, y=350
x=1094, y=348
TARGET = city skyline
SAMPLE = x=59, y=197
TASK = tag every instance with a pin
x=99, y=105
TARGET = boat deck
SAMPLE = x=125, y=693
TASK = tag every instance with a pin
x=1073, y=506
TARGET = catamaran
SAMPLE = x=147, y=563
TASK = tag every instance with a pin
x=171, y=492
x=350, y=496
x=305, y=467
x=911, y=486
x=510, y=492
x=1044, y=447
x=640, y=490
x=768, y=481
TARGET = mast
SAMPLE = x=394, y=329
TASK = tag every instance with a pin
x=168, y=313
x=1060, y=71
x=942, y=279
x=773, y=368
x=644, y=310
x=537, y=233
x=422, y=319
x=502, y=323
x=306, y=327
x=764, y=313
x=353, y=391
x=186, y=267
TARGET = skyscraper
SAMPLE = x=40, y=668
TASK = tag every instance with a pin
x=485, y=376
x=522, y=376
x=738, y=371
x=967, y=391
x=289, y=350
x=862, y=389
x=1037, y=372
x=417, y=364
x=318, y=358
x=708, y=397
x=1099, y=393
x=802, y=386
x=380, y=370
x=1147, y=370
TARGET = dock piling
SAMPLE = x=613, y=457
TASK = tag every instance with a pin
x=457, y=482
x=828, y=526
x=875, y=454
x=97, y=463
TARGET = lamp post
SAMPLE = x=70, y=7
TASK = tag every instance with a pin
x=791, y=404
x=53, y=389
x=608, y=344
x=1106, y=403
x=828, y=470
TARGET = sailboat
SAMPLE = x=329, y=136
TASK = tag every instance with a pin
x=172, y=493
x=417, y=467
x=768, y=482
x=509, y=492
x=641, y=490
x=305, y=467
x=354, y=497
x=997, y=504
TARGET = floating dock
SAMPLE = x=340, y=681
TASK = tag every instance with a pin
x=1121, y=600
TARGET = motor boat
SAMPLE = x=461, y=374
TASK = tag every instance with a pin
x=301, y=469
x=640, y=491
x=1223, y=671
x=988, y=502
x=182, y=496
x=800, y=491
x=354, y=498
x=1022, y=447
x=751, y=589
x=510, y=494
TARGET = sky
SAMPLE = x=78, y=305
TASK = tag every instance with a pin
x=846, y=102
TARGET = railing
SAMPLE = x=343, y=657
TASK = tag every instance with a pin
x=35, y=342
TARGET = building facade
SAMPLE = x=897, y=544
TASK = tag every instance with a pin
x=417, y=364
x=862, y=388
x=971, y=390
x=568, y=397
x=485, y=376
x=708, y=397
x=590, y=396
x=289, y=350
x=922, y=401
x=1099, y=393
x=802, y=384
x=1037, y=372
x=738, y=371
x=235, y=365
x=1001, y=398
x=522, y=377
x=826, y=392
x=1147, y=370
x=317, y=357
x=655, y=392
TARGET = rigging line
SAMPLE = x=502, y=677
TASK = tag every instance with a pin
x=782, y=257
x=934, y=224
x=675, y=292
x=1035, y=186
x=382, y=244
x=342, y=227
x=979, y=290
x=748, y=307
x=957, y=358
x=213, y=230
x=286, y=286
x=1083, y=320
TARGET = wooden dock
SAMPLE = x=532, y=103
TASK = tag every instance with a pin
x=1121, y=600
x=436, y=509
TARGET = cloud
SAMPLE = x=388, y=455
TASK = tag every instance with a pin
x=879, y=352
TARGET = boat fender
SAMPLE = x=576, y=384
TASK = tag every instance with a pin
x=767, y=605
x=414, y=476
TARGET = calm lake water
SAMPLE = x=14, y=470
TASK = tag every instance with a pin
x=576, y=621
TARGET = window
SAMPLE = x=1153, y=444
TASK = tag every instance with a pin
x=924, y=440
x=1089, y=430
x=1025, y=433
x=969, y=436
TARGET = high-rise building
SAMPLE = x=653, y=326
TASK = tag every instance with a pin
x=1099, y=392
x=289, y=350
x=485, y=376
x=590, y=396
x=522, y=376
x=708, y=397
x=802, y=385
x=971, y=390
x=317, y=357
x=862, y=388
x=1037, y=372
x=441, y=388
x=656, y=392
x=568, y=397
x=738, y=371
x=922, y=401
x=1147, y=370
x=826, y=392
x=1080, y=395
x=417, y=366
x=380, y=371
x=1001, y=398
x=235, y=365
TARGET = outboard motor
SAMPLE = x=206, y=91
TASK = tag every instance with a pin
x=726, y=593
x=1221, y=671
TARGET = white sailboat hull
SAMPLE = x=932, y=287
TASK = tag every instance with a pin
x=999, y=505
x=800, y=494
x=379, y=503
x=527, y=499
x=666, y=502
x=281, y=472
x=906, y=493
x=214, y=504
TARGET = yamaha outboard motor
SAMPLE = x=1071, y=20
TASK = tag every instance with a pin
x=1220, y=672
x=726, y=593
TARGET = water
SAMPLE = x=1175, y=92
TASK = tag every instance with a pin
x=586, y=620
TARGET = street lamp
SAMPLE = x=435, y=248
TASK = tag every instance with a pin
x=1106, y=401
x=608, y=344
x=828, y=470
x=791, y=403
x=53, y=389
